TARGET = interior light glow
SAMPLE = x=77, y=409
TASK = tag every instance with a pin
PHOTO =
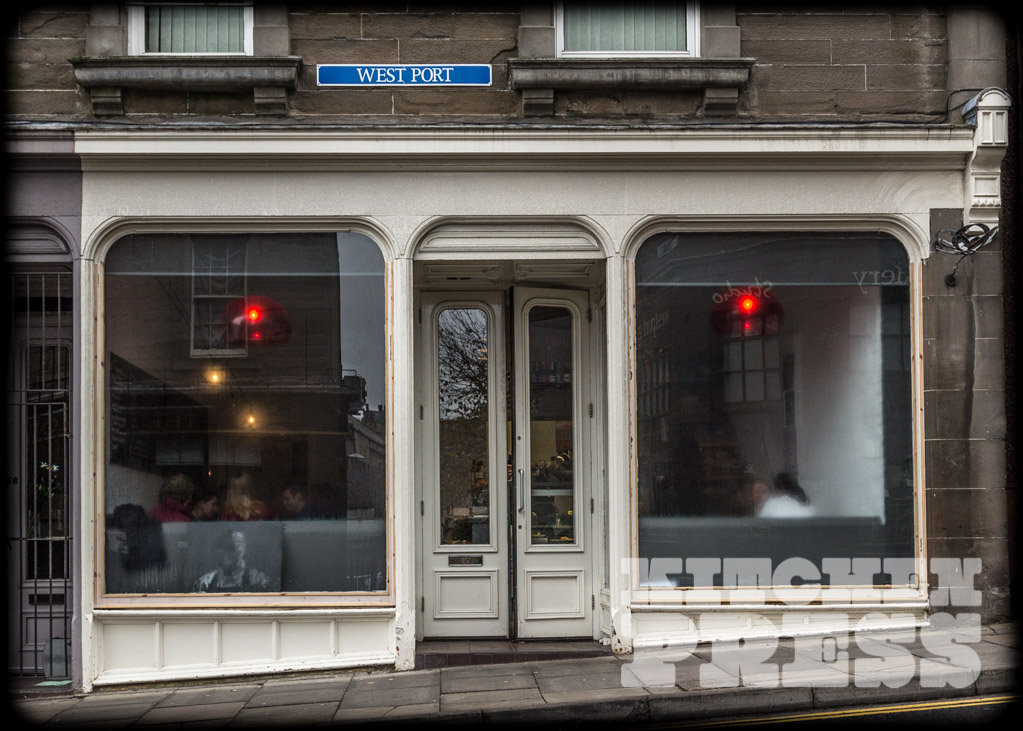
x=254, y=314
x=748, y=304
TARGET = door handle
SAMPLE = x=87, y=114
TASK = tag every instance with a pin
x=522, y=492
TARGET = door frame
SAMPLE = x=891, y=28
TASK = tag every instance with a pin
x=589, y=411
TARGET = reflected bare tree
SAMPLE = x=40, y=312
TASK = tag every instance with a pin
x=463, y=424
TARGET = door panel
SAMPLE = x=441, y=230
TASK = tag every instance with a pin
x=464, y=545
x=553, y=572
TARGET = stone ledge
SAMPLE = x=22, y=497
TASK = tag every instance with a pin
x=268, y=77
x=721, y=77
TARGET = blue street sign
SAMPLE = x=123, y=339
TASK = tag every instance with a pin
x=357, y=74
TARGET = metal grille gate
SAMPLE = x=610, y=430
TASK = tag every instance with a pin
x=39, y=516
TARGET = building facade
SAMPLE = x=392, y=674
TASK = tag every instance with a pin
x=337, y=328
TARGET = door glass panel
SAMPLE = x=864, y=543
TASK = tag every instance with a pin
x=463, y=420
x=552, y=485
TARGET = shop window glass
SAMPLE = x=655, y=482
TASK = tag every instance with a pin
x=256, y=462
x=786, y=429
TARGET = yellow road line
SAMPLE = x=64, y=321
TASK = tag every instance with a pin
x=849, y=713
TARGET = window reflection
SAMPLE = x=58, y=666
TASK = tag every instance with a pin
x=245, y=392
x=463, y=425
x=773, y=384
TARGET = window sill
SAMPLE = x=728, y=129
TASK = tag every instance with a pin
x=268, y=77
x=538, y=78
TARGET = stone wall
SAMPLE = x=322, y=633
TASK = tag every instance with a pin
x=861, y=63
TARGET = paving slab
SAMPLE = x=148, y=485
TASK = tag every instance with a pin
x=41, y=710
x=294, y=716
x=213, y=694
x=469, y=684
x=576, y=683
x=97, y=713
x=114, y=698
x=309, y=691
x=359, y=715
x=577, y=667
x=391, y=697
x=181, y=714
x=486, y=671
x=487, y=699
x=414, y=679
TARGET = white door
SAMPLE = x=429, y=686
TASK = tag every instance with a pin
x=463, y=532
x=504, y=529
x=553, y=574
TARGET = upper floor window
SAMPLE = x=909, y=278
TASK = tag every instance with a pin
x=190, y=28
x=596, y=28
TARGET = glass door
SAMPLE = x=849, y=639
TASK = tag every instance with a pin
x=553, y=572
x=463, y=529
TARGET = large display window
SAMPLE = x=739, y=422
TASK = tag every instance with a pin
x=774, y=402
x=245, y=415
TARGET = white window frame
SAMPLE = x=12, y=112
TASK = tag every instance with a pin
x=692, y=38
x=137, y=29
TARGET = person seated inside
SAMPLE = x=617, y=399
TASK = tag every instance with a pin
x=782, y=499
x=233, y=572
x=204, y=504
x=294, y=505
x=174, y=497
x=239, y=504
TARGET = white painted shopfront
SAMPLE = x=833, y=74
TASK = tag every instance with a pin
x=530, y=243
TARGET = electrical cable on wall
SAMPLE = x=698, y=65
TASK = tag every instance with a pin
x=965, y=242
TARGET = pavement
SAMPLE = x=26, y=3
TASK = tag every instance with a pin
x=707, y=681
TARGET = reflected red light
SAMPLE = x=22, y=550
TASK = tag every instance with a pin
x=747, y=325
x=255, y=336
x=748, y=304
x=254, y=314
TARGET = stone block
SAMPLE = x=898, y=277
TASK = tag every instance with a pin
x=993, y=553
x=537, y=13
x=664, y=103
x=273, y=40
x=947, y=414
x=104, y=41
x=988, y=414
x=810, y=78
x=40, y=76
x=422, y=50
x=589, y=103
x=47, y=102
x=989, y=364
x=975, y=32
x=905, y=77
x=44, y=50
x=787, y=52
x=404, y=25
x=897, y=52
x=796, y=102
x=923, y=24
x=948, y=363
x=721, y=41
x=272, y=13
x=807, y=26
x=965, y=463
x=485, y=25
x=321, y=26
x=209, y=694
x=983, y=272
x=981, y=316
x=967, y=513
x=454, y=101
x=537, y=42
x=52, y=24
x=974, y=71
x=355, y=698
x=865, y=103
x=345, y=51
x=141, y=101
